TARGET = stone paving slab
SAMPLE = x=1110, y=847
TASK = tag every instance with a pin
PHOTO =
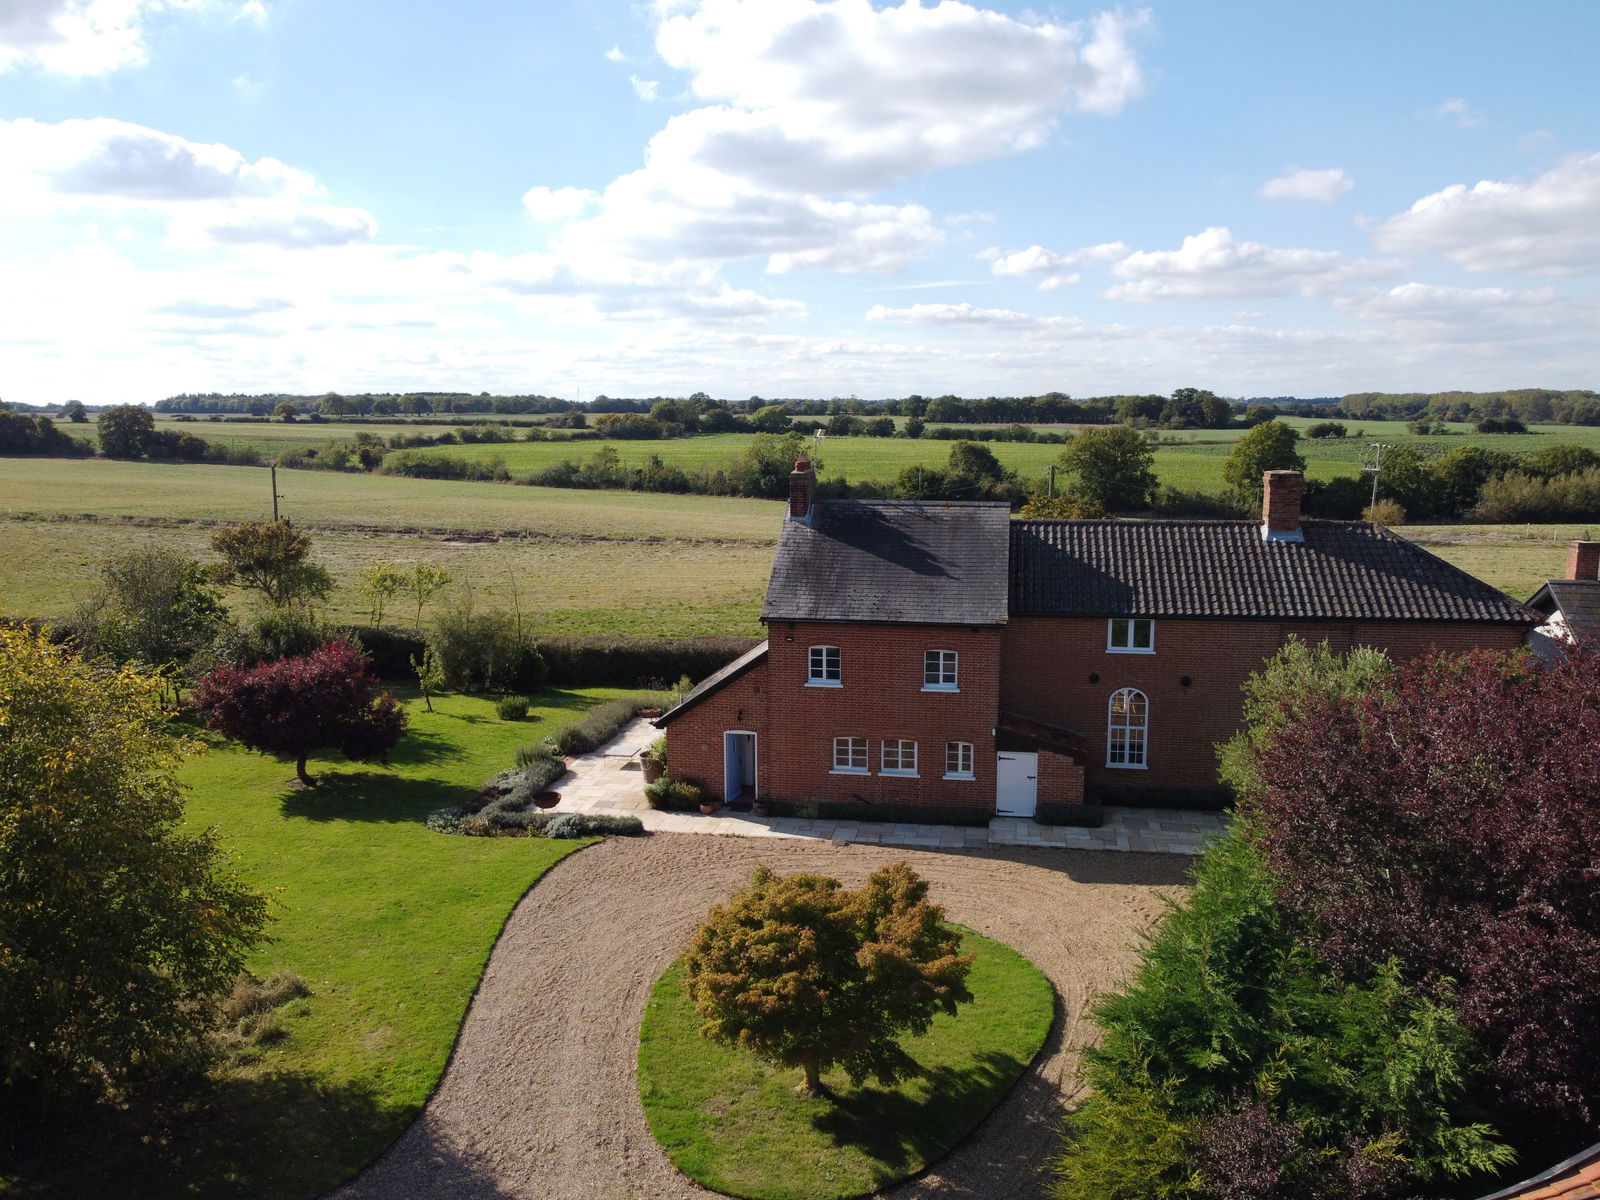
x=610, y=780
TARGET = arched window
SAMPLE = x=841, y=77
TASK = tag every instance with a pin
x=1127, y=721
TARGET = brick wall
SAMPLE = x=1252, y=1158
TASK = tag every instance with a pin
x=1058, y=670
x=881, y=696
x=694, y=740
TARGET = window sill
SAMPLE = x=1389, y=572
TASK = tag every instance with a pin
x=1129, y=650
x=849, y=771
x=900, y=774
x=940, y=687
x=1127, y=766
x=960, y=775
x=824, y=683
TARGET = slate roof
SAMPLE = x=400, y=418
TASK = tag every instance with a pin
x=751, y=658
x=1579, y=602
x=1343, y=570
x=910, y=562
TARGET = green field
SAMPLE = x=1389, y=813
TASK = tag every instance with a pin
x=280, y=437
x=576, y=561
x=1191, y=459
x=389, y=924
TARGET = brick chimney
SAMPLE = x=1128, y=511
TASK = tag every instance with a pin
x=1280, y=506
x=802, y=489
x=1583, y=560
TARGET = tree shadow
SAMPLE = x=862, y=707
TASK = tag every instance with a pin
x=420, y=746
x=371, y=796
x=896, y=1129
x=278, y=1135
x=1098, y=866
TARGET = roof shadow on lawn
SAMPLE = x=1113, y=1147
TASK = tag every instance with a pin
x=371, y=796
x=1100, y=866
x=419, y=746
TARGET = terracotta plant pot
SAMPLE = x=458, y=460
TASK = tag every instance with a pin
x=654, y=768
x=650, y=714
x=710, y=807
x=547, y=799
x=760, y=807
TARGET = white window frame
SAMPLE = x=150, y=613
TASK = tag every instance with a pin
x=853, y=760
x=962, y=755
x=1128, y=732
x=1127, y=643
x=940, y=671
x=819, y=656
x=894, y=750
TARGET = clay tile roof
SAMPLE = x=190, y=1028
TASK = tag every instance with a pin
x=1578, y=1178
x=1343, y=570
x=929, y=562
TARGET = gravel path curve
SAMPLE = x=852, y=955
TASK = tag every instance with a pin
x=540, y=1098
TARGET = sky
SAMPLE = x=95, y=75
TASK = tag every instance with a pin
x=796, y=198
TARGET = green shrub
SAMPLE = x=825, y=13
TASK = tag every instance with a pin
x=601, y=725
x=484, y=652
x=531, y=752
x=389, y=647
x=513, y=708
x=632, y=662
x=675, y=795
x=1079, y=816
x=577, y=825
x=444, y=820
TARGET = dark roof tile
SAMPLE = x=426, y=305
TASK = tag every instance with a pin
x=1343, y=570
x=892, y=561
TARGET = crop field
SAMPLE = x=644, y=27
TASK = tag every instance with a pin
x=280, y=437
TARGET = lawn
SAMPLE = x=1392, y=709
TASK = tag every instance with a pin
x=736, y=1125
x=388, y=923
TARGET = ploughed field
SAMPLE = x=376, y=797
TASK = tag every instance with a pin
x=573, y=561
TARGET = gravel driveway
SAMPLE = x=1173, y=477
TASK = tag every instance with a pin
x=540, y=1098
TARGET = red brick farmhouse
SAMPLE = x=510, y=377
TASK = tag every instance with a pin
x=930, y=653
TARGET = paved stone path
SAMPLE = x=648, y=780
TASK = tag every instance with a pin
x=611, y=780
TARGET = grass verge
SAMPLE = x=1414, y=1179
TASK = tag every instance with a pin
x=736, y=1125
x=389, y=925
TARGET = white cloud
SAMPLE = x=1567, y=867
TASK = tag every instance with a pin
x=1457, y=109
x=1431, y=303
x=1055, y=270
x=556, y=204
x=74, y=37
x=1214, y=264
x=1550, y=226
x=253, y=11
x=207, y=192
x=1324, y=186
x=615, y=54
x=839, y=96
x=645, y=89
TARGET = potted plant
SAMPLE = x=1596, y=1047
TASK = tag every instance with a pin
x=654, y=760
x=761, y=806
x=709, y=806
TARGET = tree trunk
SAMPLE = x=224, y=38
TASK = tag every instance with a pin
x=300, y=770
x=812, y=1084
x=427, y=699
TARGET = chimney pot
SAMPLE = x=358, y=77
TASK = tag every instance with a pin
x=1583, y=560
x=1280, y=506
x=802, y=489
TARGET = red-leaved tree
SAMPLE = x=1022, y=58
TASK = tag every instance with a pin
x=1452, y=820
x=297, y=706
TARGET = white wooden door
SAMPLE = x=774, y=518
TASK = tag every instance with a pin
x=1016, y=783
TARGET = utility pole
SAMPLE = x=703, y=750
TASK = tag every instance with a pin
x=1051, y=494
x=274, y=492
x=1377, y=464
